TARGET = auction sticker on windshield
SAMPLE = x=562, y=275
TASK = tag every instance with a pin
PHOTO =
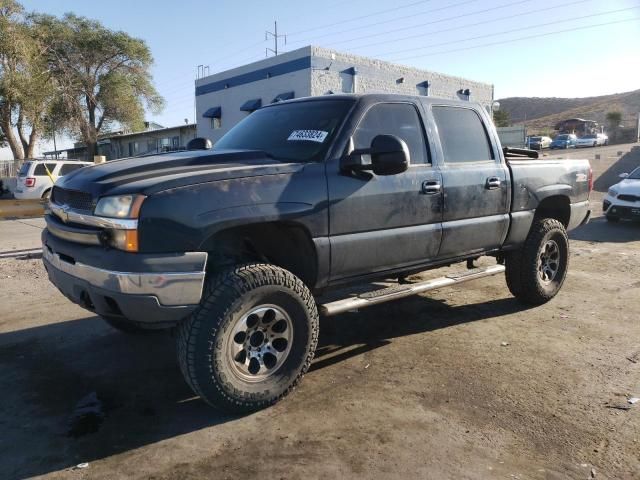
x=308, y=136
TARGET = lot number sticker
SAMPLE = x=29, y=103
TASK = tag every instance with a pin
x=308, y=136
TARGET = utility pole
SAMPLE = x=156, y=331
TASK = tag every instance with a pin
x=276, y=37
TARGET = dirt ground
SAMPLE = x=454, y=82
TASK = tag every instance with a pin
x=465, y=383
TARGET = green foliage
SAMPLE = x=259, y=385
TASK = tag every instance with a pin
x=501, y=118
x=614, y=118
x=103, y=76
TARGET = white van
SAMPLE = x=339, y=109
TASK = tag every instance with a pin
x=35, y=182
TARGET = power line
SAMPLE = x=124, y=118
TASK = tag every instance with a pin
x=306, y=40
x=360, y=17
x=433, y=22
x=487, y=35
x=467, y=25
x=528, y=37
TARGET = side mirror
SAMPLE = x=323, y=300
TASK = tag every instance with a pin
x=623, y=175
x=389, y=155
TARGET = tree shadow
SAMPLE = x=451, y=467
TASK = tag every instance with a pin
x=46, y=370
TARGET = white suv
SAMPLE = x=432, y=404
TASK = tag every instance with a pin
x=35, y=182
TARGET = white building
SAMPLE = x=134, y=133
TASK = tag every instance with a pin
x=225, y=98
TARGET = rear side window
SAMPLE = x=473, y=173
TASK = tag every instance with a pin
x=462, y=135
x=399, y=119
x=24, y=169
x=68, y=168
x=41, y=171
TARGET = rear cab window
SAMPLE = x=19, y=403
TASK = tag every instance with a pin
x=463, y=135
x=24, y=169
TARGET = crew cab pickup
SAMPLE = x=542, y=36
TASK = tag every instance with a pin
x=236, y=245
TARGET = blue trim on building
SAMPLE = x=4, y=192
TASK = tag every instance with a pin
x=261, y=74
x=213, y=112
x=251, y=105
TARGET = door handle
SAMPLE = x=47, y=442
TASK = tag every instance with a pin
x=431, y=187
x=493, y=183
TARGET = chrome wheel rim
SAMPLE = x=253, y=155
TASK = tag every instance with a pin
x=549, y=261
x=259, y=343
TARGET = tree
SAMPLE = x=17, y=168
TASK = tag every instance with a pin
x=26, y=89
x=614, y=118
x=103, y=76
x=501, y=118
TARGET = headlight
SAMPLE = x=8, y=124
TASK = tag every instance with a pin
x=612, y=192
x=121, y=206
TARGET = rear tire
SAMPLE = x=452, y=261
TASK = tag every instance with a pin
x=536, y=272
x=251, y=339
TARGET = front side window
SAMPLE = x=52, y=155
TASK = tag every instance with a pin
x=68, y=168
x=462, y=135
x=399, y=119
x=299, y=131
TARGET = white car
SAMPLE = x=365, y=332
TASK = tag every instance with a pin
x=603, y=139
x=589, y=140
x=623, y=198
x=33, y=180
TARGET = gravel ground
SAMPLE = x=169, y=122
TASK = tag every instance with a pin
x=464, y=383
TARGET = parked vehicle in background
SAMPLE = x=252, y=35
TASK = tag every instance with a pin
x=589, y=140
x=538, y=142
x=35, y=182
x=603, y=139
x=623, y=198
x=564, y=140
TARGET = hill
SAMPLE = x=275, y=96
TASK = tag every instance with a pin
x=540, y=113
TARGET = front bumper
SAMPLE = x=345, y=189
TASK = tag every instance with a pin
x=613, y=207
x=156, y=289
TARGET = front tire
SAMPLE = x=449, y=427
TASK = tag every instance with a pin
x=536, y=272
x=251, y=339
x=612, y=219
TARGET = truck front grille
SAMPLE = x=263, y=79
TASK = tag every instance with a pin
x=72, y=198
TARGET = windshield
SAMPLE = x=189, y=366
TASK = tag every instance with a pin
x=562, y=137
x=300, y=131
x=24, y=169
x=589, y=136
x=534, y=139
x=635, y=175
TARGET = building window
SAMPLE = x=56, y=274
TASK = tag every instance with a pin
x=216, y=123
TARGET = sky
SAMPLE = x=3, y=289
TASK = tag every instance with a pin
x=561, y=48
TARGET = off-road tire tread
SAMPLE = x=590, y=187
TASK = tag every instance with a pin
x=521, y=265
x=220, y=293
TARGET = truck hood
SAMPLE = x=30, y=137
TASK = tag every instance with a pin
x=152, y=174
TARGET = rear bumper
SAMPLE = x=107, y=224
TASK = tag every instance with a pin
x=152, y=289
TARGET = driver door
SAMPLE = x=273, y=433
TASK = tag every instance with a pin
x=380, y=223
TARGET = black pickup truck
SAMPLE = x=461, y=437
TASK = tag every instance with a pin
x=235, y=246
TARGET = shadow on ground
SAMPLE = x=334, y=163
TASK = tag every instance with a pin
x=46, y=370
x=600, y=230
x=625, y=164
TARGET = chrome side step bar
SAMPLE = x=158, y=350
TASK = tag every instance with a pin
x=402, y=291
